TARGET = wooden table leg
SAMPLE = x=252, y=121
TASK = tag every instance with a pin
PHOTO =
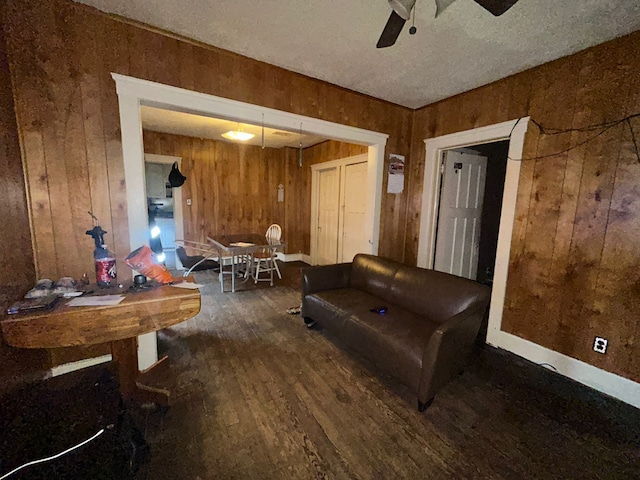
x=134, y=385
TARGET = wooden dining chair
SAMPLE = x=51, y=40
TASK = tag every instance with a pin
x=265, y=260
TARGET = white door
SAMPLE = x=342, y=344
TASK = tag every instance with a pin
x=460, y=211
x=328, y=212
x=354, y=188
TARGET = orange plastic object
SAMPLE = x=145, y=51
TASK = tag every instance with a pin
x=143, y=260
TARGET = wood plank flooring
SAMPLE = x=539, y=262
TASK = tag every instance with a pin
x=256, y=395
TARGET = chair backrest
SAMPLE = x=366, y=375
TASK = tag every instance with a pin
x=187, y=260
x=274, y=232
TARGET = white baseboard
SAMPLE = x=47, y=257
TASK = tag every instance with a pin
x=73, y=366
x=614, y=385
x=293, y=257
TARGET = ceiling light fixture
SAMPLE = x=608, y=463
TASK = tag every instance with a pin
x=238, y=135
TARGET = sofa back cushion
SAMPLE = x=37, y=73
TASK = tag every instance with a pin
x=436, y=295
x=373, y=275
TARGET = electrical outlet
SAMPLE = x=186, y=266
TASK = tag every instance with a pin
x=188, y=201
x=600, y=345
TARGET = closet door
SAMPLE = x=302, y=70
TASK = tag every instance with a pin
x=353, y=201
x=328, y=213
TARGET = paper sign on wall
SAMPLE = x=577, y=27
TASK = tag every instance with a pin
x=396, y=174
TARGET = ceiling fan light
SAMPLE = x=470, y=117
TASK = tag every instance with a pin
x=238, y=135
x=402, y=7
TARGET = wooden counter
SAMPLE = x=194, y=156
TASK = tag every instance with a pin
x=140, y=312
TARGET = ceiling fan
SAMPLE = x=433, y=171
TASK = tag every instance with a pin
x=402, y=11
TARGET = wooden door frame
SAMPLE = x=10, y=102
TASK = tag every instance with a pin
x=315, y=192
x=514, y=131
x=134, y=92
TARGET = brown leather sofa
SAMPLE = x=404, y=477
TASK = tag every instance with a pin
x=429, y=327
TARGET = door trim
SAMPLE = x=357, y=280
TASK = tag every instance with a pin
x=315, y=173
x=133, y=92
x=514, y=131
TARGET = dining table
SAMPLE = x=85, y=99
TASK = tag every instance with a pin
x=240, y=248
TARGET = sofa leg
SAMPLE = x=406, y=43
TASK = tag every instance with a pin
x=423, y=406
x=309, y=322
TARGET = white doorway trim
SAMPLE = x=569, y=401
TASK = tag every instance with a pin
x=619, y=387
x=514, y=130
x=133, y=92
x=315, y=176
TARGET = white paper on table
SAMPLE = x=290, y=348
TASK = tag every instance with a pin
x=96, y=301
x=396, y=183
x=72, y=294
x=188, y=285
x=242, y=244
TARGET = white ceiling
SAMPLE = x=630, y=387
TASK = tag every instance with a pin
x=190, y=125
x=334, y=40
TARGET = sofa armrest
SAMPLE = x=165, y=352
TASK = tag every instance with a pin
x=448, y=349
x=325, y=277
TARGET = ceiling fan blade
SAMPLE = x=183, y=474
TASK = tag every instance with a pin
x=391, y=30
x=496, y=7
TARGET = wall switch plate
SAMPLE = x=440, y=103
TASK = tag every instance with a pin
x=189, y=201
x=600, y=345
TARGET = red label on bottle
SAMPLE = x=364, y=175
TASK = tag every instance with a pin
x=105, y=270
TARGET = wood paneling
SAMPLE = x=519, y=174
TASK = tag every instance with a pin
x=61, y=54
x=17, y=272
x=575, y=256
x=16, y=255
x=234, y=188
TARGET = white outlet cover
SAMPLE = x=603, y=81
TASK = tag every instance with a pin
x=600, y=345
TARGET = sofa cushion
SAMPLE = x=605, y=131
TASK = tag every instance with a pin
x=394, y=341
x=373, y=275
x=437, y=295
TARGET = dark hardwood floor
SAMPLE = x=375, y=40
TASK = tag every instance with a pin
x=257, y=395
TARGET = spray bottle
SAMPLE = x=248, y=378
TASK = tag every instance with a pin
x=104, y=261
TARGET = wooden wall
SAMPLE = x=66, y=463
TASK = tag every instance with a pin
x=61, y=56
x=16, y=255
x=233, y=187
x=574, y=269
x=575, y=256
x=17, y=273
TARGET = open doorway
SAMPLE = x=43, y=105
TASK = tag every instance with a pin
x=514, y=132
x=134, y=93
x=469, y=207
x=164, y=207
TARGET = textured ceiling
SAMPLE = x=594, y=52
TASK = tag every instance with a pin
x=465, y=47
x=190, y=125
